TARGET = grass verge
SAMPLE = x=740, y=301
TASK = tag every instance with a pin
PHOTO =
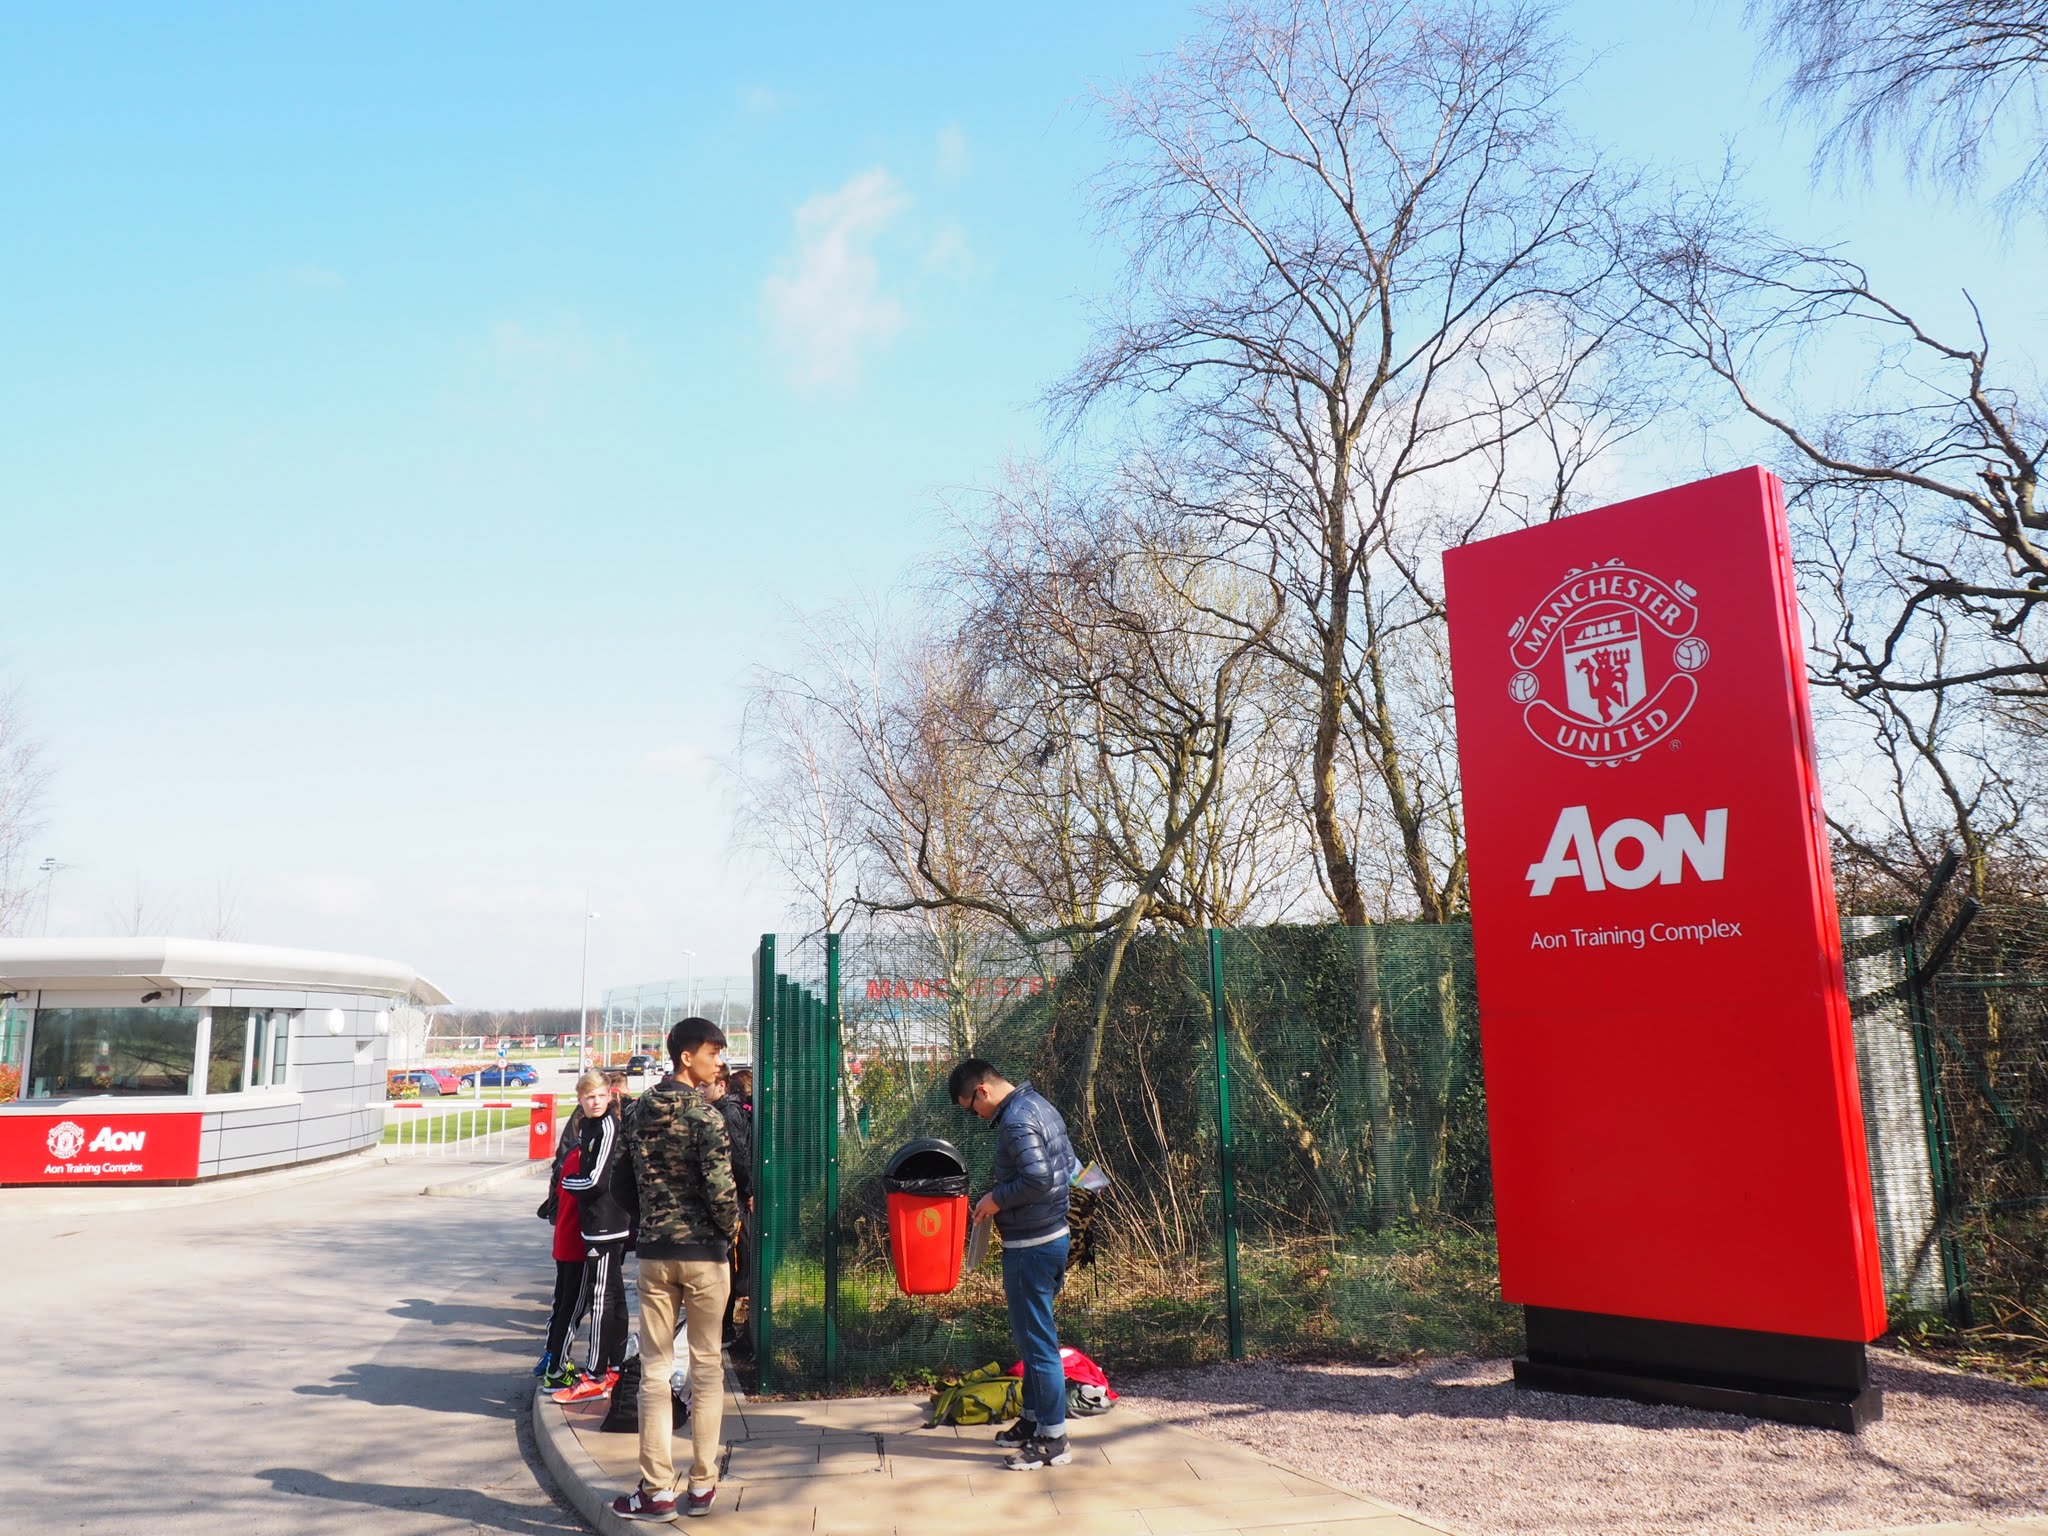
x=1403, y=1294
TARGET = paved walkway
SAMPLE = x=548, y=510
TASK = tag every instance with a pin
x=864, y=1466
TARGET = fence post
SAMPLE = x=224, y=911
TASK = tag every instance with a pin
x=1233, y=1300
x=764, y=1162
x=830, y=1105
x=791, y=1027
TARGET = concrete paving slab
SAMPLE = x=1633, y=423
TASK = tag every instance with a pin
x=1253, y=1514
x=776, y=1522
x=1106, y=1522
x=767, y=1419
x=882, y=1415
x=1142, y=1492
x=840, y=1463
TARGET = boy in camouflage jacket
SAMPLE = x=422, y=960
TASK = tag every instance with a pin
x=689, y=1212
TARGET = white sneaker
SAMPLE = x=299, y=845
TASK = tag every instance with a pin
x=1040, y=1452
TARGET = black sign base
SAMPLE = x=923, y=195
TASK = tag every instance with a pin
x=1786, y=1377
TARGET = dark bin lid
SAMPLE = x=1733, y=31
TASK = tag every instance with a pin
x=929, y=1157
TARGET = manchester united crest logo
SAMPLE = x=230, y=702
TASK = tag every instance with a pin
x=65, y=1140
x=1605, y=663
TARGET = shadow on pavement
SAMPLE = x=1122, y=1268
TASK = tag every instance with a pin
x=480, y=1509
x=436, y=1389
x=445, y=1314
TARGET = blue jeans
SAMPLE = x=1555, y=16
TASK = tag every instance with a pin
x=1031, y=1278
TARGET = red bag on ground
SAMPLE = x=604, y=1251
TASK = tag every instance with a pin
x=1088, y=1390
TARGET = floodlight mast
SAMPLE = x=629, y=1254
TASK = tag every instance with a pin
x=583, y=994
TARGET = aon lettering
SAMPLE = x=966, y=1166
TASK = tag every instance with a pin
x=111, y=1140
x=1629, y=854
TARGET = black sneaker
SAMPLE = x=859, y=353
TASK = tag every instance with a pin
x=1017, y=1434
x=1040, y=1452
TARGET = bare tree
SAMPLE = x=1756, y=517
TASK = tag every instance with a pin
x=1915, y=496
x=860, y=775
x=145, y=913
x=794, y=808
x=1937, y=81
x=1358, y=253
x=1101, y=683
x=24, y=781
x=224, y=921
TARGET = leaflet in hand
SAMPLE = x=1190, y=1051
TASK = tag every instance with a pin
x=977, y=1243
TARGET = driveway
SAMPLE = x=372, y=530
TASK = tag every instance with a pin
x=342, y=1355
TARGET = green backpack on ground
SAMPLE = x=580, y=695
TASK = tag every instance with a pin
x=989, y=1395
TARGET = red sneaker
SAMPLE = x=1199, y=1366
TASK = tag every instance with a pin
x=588, y=1388
x=700, y=1503
x=645, y=1503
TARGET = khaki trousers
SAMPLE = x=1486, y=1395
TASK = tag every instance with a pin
x=698, y=1288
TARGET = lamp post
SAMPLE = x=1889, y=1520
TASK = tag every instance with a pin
x=49, y=867
x=690, y=983
x=583, y=994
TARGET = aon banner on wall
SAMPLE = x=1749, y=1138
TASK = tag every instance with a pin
x=1677, y=1144
x=78, y=1146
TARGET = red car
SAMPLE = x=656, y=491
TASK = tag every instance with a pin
x=430, y=1080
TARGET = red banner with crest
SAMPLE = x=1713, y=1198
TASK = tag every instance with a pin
x=1670, y=1076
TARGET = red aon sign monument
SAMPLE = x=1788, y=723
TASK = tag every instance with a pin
x=1682, y=1192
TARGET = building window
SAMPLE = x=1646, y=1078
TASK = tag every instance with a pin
x=248, y=1049
x=228, y=1060
x=123, y=1051
x=13, y=1047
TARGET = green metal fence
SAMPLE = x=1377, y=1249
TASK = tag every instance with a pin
x=1293, y=1120
x=1985, y=1039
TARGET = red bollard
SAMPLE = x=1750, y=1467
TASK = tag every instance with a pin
x=540, y=1131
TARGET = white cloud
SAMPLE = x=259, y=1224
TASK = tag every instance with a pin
x=946, y=253
x=328, y=895
x=682, y=760
x=826, y=306
x=953, y=156
x=763, y=101
x=525, y=349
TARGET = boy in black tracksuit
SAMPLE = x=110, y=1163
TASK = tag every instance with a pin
x=606, y=1226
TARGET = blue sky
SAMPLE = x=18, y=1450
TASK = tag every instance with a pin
x=417, y=418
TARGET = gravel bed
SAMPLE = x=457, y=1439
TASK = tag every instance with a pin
x=1457, y=1444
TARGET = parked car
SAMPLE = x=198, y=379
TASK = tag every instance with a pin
x=522, y=1074
x=420, y=1082
x=638, y=1065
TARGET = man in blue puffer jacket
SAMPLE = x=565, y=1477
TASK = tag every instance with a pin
x=1033, y=1167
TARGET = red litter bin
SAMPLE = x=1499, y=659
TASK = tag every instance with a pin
x=926, y=1184
x=540, y=1130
